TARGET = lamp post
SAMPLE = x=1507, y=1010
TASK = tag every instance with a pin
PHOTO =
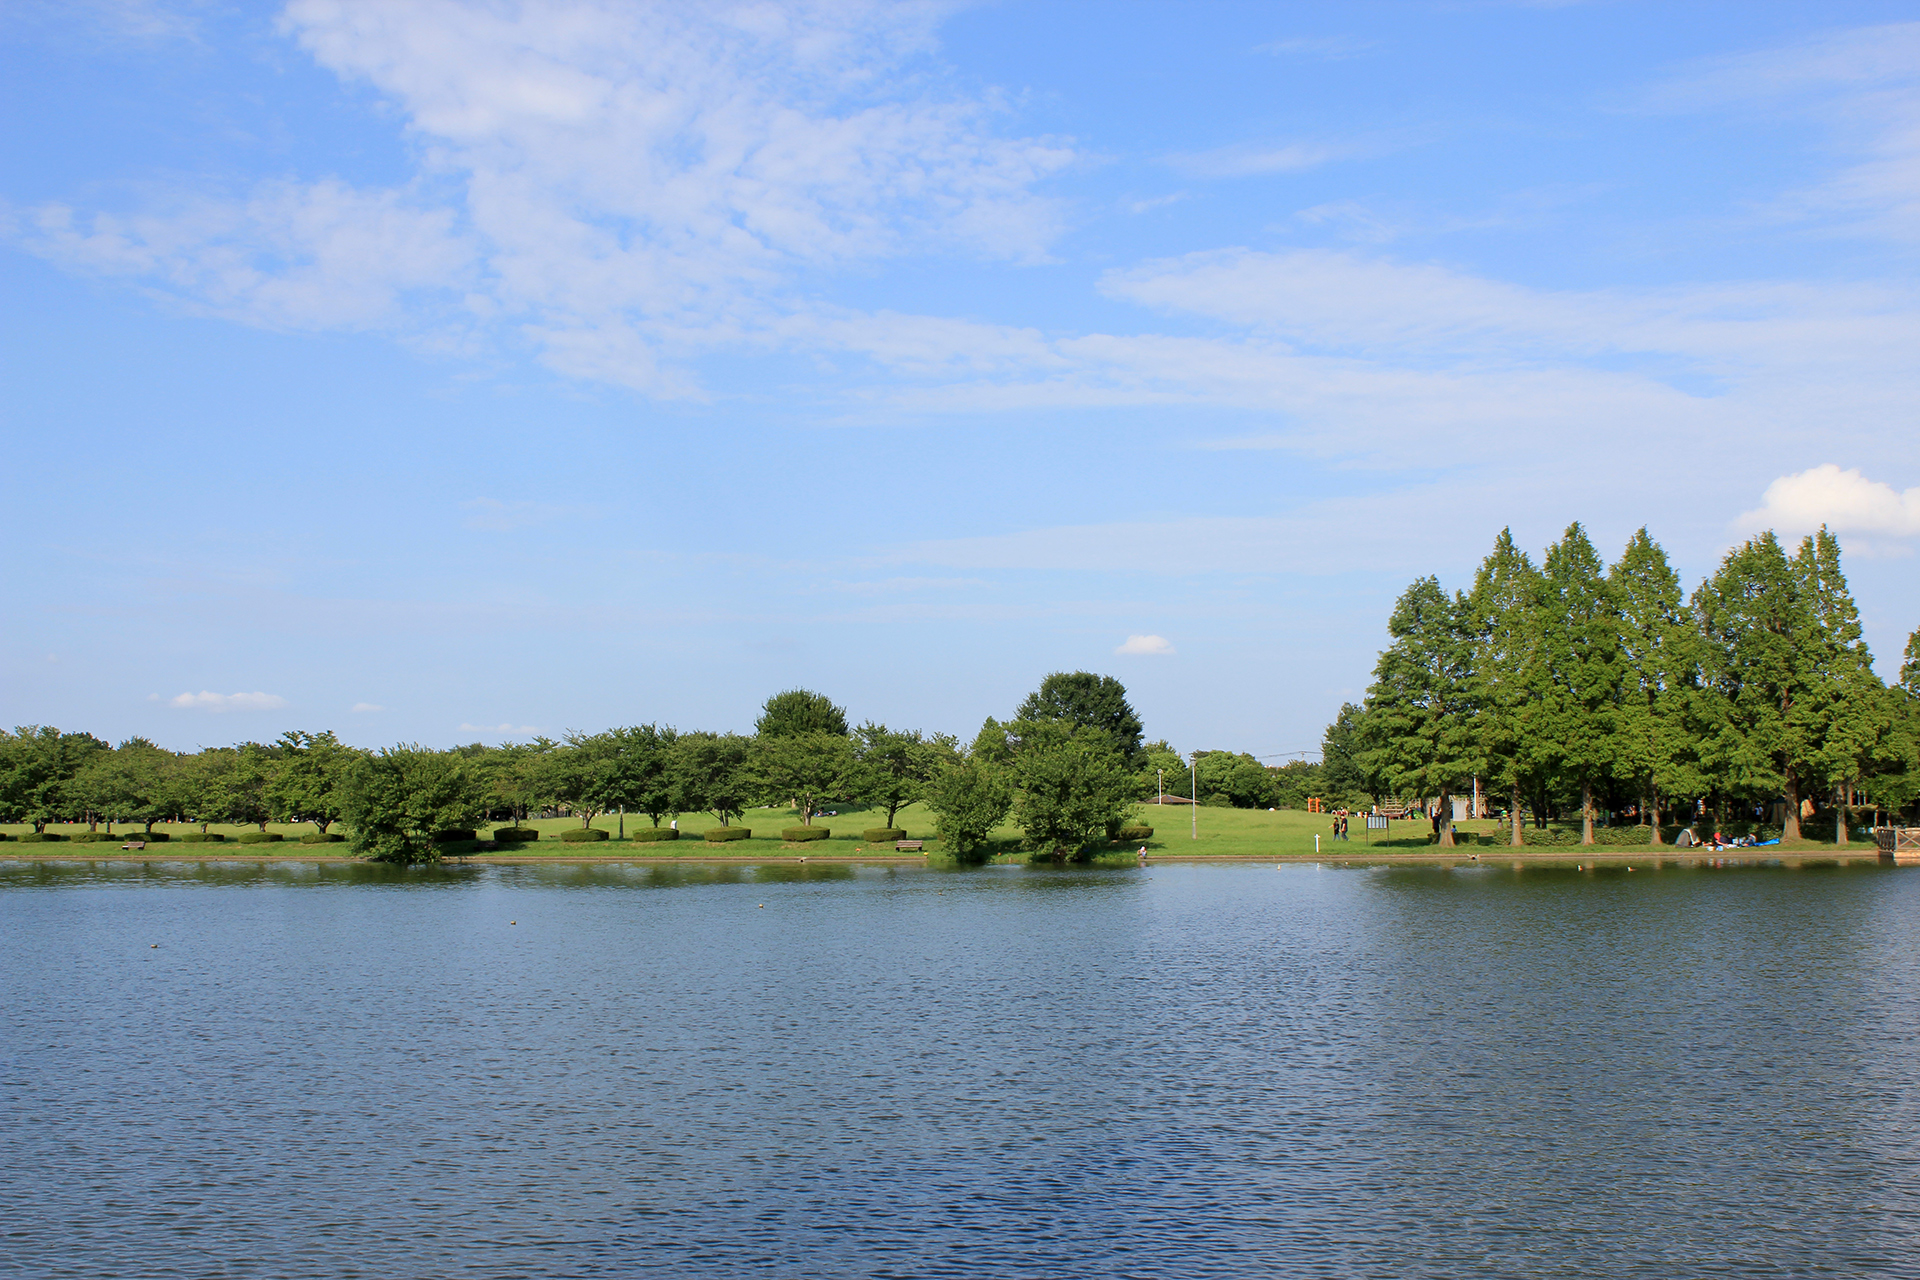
x=1193, y=792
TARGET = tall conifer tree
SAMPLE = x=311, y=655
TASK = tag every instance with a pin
x=1851, y=720
x=1763, y=658
x=1579, y=675
x=1501, y=617
x=1657, y=661
x=1418, y=726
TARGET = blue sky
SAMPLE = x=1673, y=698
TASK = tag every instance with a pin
x=450, y=370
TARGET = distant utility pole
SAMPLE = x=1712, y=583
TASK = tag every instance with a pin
x=1160, y=794
x=1193, y=794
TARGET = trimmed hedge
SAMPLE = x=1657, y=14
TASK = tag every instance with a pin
x=322, y=837
x=515, y=835
x=646, y=835
x=261, y=837
x=5, y=837
x=1130, y=834
x=151, y=837
x=883, y=835
x=98, y=837
x=583, y=835
x=202, y=837
x=721, y=835
x=802, y=835
x=42, y=837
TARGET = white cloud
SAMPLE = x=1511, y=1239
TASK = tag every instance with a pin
x=1146, y=645
x=498, y=728
x=360, y=707
x=207, y=700
x=1845, y=501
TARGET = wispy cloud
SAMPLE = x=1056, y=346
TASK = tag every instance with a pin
x=1330, y=48
x=507, y=729
x=623, y=186
x=1249, y=159
x=362, y=708
x=1145, y=646
x=503, y=517
x=1864, y=86
x=207, y=700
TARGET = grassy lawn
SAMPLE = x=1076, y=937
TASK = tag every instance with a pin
x=1243, y=833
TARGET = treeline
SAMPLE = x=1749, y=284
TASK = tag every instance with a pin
x=1575, y=686
x=1068, y=767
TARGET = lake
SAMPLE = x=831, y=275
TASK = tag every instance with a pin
x=336, y=1070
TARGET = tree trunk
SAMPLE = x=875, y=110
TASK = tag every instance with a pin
x=1586, y=811
x=623, y=822
x=323, y=824
x=1517, y=837
x=1842, y=814
x=1790, y=830
x=1653, y=814
x=1476, y=797
x=1446, y=818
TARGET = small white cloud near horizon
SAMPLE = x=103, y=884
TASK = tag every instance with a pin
x=1844, y=501
x=207, y=700
x=1146, y=645
x=497, y=728
x=367, y=706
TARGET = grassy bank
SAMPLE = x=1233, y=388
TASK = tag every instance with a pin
x=1222, y=833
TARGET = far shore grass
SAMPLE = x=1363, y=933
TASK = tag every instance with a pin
x=1222, y=833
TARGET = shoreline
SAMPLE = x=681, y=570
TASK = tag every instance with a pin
x=1649, y=859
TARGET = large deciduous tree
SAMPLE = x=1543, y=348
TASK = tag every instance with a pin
x=805, y=769
x=969, y=796
x=640, y=771
x=895, y=766
x=309, y=784
x=800, y=711
x=1072, y=787
x=1087, y=701
x=713, y=771
x=38, y=764
x=399, y=798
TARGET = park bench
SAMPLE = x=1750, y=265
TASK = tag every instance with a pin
x=907, y=846
x=134, y=844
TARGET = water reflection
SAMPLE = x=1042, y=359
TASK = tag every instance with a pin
x=819, y=1070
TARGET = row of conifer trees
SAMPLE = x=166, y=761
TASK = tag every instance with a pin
x=1576, y=681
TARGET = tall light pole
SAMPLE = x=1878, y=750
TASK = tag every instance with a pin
x=1193, y=792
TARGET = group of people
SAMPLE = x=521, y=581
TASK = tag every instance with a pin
x=1340, y=826
x=1718, y=841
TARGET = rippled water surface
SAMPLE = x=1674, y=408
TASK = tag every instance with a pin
x=1189, y=1071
